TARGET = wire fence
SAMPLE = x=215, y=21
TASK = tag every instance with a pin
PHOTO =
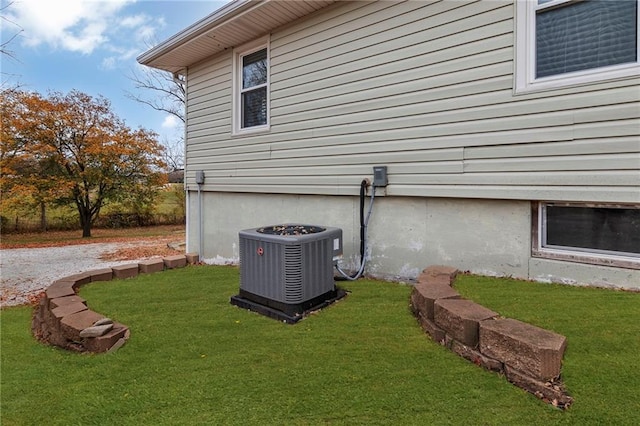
x=21, y=223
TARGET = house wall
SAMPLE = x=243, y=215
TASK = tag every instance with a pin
x=425, y=88
x=406, y=234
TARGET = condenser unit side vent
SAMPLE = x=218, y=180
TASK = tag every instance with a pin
x=293, y=282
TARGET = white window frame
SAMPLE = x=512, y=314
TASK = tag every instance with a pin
x=525, y=57
x=540, y=249
x=238, y=54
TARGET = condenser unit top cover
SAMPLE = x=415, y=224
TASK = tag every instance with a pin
x=289, y=263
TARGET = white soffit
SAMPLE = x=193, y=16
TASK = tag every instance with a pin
x=232, y=25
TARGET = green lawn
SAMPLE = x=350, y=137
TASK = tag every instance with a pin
x=195, y=359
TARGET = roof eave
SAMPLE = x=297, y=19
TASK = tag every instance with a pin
x=224, y=14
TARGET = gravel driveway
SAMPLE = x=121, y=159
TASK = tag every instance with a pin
x=28, y=271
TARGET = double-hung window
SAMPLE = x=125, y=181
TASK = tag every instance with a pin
x=251, y=88
x=568, y=42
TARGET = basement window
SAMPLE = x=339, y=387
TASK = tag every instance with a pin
x=601, y=234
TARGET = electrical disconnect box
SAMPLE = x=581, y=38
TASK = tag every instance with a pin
x=380, y=176
x=200, y=177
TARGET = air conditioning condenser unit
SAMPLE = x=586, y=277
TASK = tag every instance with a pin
x=287, y=270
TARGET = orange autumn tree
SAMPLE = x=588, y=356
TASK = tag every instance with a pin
x=25, y=175
x=72, y=149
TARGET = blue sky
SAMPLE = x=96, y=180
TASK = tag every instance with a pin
x=91, y=46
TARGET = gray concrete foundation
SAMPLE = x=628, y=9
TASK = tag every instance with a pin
x=489, y=237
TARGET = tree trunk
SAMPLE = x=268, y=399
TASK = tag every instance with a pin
x=43, y=216
x=85, y=220
x=86, y=229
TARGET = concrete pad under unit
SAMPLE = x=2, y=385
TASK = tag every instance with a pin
x=532, y=350
x=177, y=261
x=125, y=271
x=151, y=265
x=461, y=318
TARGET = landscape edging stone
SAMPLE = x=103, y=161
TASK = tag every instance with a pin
x=536, y=369
x=61, y=315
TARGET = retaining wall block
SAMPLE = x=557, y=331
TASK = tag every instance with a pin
x=151, y=265
x=73, y=324
x=474, y=355
x=177, y=261
x=107, y=341
x=66, y=300
x=460, y=318
x=430, y=327
x=438, y=274
x=425, y=294
x=192, y=258
x=551, y=392
x=125, y=271
x=77, y=280
x=105, y=274
x=59, y=289
x=65, y=310
x=532, y=350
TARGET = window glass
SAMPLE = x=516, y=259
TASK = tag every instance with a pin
x=254, y=107
x=254, y=69
x=614, y=231
x=253, y=90
x=562, y=43
x=585, y=35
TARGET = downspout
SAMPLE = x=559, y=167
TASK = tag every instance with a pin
x=181, y=80
x=200, y=182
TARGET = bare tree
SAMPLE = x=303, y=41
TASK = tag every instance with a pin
x=163, y=92
x=174, y=153
x=4, y=44
x=167, y=91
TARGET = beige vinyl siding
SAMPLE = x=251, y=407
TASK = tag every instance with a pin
x=425, y=88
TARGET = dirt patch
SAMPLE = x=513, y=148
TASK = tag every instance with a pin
x=156, y=247
x=66, y=238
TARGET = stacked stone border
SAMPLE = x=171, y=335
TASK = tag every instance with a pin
x=529, y=357
x=62, y=318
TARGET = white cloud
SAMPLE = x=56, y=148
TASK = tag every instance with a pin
x=133, y=21
x=108, y=63
x=170, y=122
x=86, y=26
x=75, y=25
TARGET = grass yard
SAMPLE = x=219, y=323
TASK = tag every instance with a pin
x=195, y=359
